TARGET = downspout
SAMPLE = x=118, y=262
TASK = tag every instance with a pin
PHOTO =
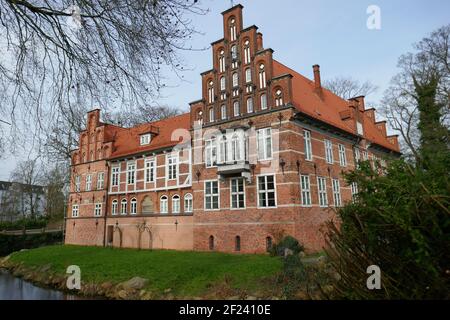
x=106, y=203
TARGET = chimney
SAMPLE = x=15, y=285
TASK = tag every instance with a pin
x=317, y=82
x=259, y=41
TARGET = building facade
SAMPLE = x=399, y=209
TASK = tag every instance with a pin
x=259, y=156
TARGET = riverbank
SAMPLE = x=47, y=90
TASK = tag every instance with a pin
x=144, y=274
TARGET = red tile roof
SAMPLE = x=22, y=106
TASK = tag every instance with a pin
x=327, y=106
x=127, y=140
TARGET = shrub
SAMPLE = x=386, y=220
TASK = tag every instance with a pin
x=27, y=223
x=287, y=242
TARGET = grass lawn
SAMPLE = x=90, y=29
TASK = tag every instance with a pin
x=186, y=273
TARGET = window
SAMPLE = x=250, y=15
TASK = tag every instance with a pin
x=263, y=101
x=223, y=149
x=232, y=30
x=172, y=163
x=249, y=105
x=322, y=187
x=248, y=75
x=211, y=195
x=223, y=111
x=235, y=78
x=133, y=206
x=211, y=92
x=210, y=152
x=75, y=210
x=131, y=173
x=100, y=180
x=77, y=183
x=235, y=148
x=266, y=191
x=150, y=171
x=264, y=143
x=114, y=207
x=211, y=242
x=262, y=77
x=342, y=156
x=359, y=128
x=357, y=156
x=188, y=203
x=222, y=84
x=328, y=151
x=354, y=190
x=237, y=243
x=123, y=207
x=268, y=244
x=306, y=190
x=365, y=155
x=247, y=56
x=163, y=205
x=115, y=176
x=236, y=108
x=145, y=139
x=176, y=204
x=211, y=114
x=278, y=98
x=222, y=61
x=237, y=193
x=233, y=53
x=336, y=193
x=308, y=148
x=98, y=210
x=88, y=182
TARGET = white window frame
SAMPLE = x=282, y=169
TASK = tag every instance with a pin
x=149, y=170
x=357, y=156
x=176, y=204
x=354, y=190
x=236, y=109
x=342, y=156
x=114, y=207
x=188, y=203
x=222, y=61
x=131, y=173
x=322, y=192
x=263, y=101
x=305, y=187
x=100, y=180
x=123, y=205
x=88, y=182
x=145, y=139
x=133, y=206
x=115, y=176
x=172, y=166
x=262, y=76
x=247, y=54
x=75, y=210
x=211, y=114
x=267, y=191
x=212, y=195
x=223, y=112
x=249, y=102
x=248, y=75
x=337, y=193
x=308, y=145
x=223, y=83
x=211, y=152
x=328, y=151
x=237, y=194
x=235, y=79
x=98, y=209
x=77, y=183
x=264, y=136
x=164, y=204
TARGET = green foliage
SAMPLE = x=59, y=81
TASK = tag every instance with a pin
x=287, y=242
x=400, y=221
x=11, y=243
x=26, y=223
x=187, y=273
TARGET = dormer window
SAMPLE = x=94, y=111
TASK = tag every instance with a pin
x=145, y=139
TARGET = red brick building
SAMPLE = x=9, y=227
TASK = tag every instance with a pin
x=261, y=154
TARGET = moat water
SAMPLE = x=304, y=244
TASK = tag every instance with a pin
x=13, y=288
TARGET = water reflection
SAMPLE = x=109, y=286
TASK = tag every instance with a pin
x=12, y=288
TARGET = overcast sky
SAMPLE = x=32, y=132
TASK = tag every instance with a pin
x=331, y=33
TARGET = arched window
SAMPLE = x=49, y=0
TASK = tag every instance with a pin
x=123, y=206
x=235, y=80
x=262, y=76
x=223, y=149
x=133, y=206
x=268, y=244
x=222, y=84
x=278, y=97
x=211, y=114
x=211, y=243
x=248, y=75
x=176, y=204
x=249, y=105
x=188, y=203
x=237, y=243
x=223, y=111
x=163, y=205
x=235, y=148
x=232, y=29
x=211, y=91
x=233, y=52
x=247, y=56
x=114, y=207
x=263, y=101
x=222, y=61
x=236, y=108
